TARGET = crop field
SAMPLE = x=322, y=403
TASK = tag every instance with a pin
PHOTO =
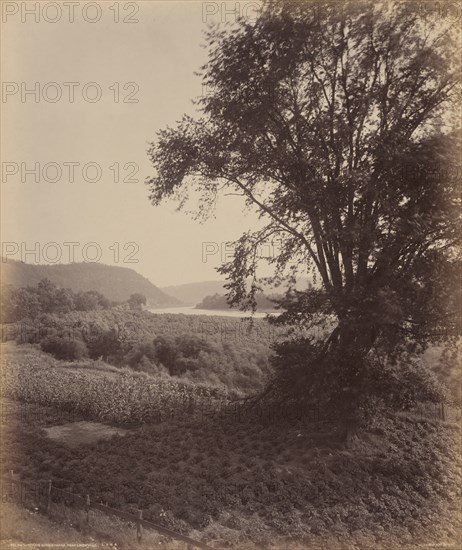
x=121, y=396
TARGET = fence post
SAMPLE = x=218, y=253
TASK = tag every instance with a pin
x=49, y=496
x=87, y=508
x=138, y=525
x=13, y=490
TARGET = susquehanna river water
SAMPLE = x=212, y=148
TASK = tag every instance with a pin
x=191, y=310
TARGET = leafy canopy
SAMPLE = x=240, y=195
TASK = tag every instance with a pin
x=341, y=130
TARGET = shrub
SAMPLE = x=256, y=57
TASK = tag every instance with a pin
x=64, y=348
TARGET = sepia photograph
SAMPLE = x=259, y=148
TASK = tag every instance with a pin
x=231, y=275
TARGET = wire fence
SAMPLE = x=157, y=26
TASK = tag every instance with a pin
x=44, y=493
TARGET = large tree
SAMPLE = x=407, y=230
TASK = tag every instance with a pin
x=339, y=125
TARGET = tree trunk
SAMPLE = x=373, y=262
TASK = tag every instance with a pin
x=354, y=344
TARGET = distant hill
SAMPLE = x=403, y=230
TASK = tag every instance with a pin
x=193, y=293
x=115, y=282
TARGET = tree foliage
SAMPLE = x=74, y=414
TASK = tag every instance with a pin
x=137, y=300
x=32, y=301
x=342, y=131
x=64, y=348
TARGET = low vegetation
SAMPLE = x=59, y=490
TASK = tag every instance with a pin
x=208, y=350
x=235, y=484
x=227, y=479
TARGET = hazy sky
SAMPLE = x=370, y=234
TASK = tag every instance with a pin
x=160, y=54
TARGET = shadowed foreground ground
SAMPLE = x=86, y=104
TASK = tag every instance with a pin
x=247, y=485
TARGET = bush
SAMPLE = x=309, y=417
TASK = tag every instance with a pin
x=64, y=348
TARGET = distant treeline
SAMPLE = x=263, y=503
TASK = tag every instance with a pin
x=47, y=298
